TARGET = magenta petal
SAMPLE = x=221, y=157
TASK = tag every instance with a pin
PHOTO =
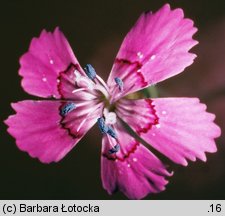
x=155, y=49
x=40, y=130
x=180, y=128
x=133, y=170
x=48, y=55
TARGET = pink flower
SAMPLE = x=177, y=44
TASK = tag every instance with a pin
x=156, y=48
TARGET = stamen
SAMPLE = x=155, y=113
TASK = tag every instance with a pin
x=106, y=129
x=83, y=81
x=102, y=126
x=111, y=132
x=115, y=149
x=68, y=108
x=90, y=71
x=119, y=82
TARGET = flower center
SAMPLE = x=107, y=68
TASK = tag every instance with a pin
x=110, y=117
x=93, y=84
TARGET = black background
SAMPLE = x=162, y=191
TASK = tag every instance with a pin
x=95, y=30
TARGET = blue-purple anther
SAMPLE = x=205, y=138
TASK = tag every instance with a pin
x=119, y=82
x=108, y=130
x=102, y=126
x=111, y=132
x=115, y=149
x=67, y=108
x=90, y=71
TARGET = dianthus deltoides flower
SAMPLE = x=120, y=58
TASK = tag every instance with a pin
x=156, y=48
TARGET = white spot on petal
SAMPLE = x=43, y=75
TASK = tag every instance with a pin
x=135, y=159
x=44, y=79
x=51, y=61
x=158, y=126
x=152, y=57
x=140, y=55
x=128, y=165
x=153, y=134
x=164, y=112
x=58, y=80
